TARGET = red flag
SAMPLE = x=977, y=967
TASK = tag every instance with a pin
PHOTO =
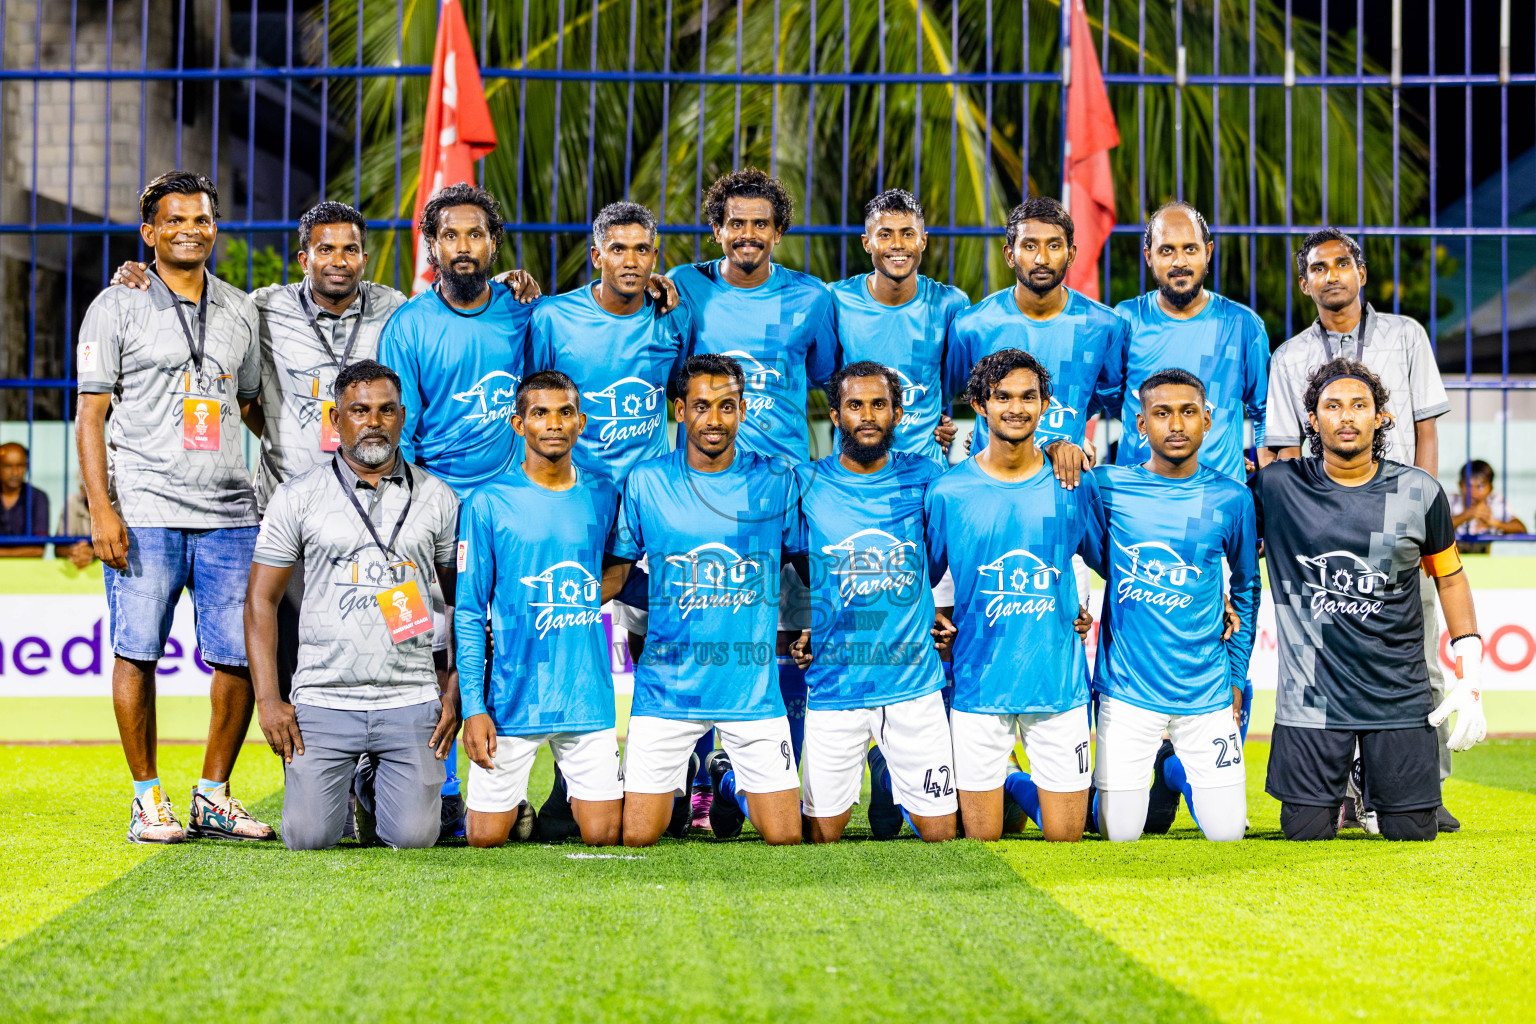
x=458, y=129
x=1088, y=191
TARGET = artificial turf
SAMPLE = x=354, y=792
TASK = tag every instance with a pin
x=1171, y=928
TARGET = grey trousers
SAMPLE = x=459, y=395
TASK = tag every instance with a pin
x=1436, y=677
x=407, y=784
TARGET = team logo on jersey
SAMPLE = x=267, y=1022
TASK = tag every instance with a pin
x=493, y=397
x=313, y=387
x=872, y=562
x=911, y=393
x=1018, y=583
x=364, y=574
x=568, y=595
x=715, y=576
x=1344, y=584
x=213, y=382
x=1156, y=576
x=1059, y=416
x=760, y=378
x=628, y=408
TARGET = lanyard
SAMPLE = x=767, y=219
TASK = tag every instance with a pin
x=387, y=549
x=200, y=346
x=314, y=325
x=1360, y=332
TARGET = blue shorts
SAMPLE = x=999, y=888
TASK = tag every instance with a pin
x=215, y=564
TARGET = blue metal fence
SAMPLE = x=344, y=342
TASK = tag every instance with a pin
x=1233, y=104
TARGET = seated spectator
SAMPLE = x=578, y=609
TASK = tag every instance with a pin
x=1475, y=509
x=75, y=521
x=17, y=499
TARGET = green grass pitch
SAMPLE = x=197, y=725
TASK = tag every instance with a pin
x=1171, y=928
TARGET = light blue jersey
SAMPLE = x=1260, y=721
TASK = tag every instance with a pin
x=1160, y=645
x=783, y=332
x=459, y=374
x=1010, y=548
x=714, y=542
x=910, y=340
x=1225, y=345
x=1082, y=348
x=871, y=597
x=531, y=561
x=621, y=365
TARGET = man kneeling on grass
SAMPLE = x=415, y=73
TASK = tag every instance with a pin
x=369, y=529
x=531, y=562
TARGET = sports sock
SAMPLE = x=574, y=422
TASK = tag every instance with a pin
x=140, y=788
x=208, y=785
x=1122, y=812
x=702, y=748
x=1022, y=789
x=1225, y=809
x=451, y=783
x=792, y=688
x=1242, y=723
x=1174, y=778
x=728, y=790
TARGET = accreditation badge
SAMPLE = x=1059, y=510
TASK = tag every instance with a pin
x=405, y=613
x=200, y=424
x=330, y=437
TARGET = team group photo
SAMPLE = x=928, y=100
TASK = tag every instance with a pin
x=499, y=518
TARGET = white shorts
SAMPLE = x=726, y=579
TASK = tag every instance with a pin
x=944, y=591
x=1057, y=746
x=1208, y=745
x=914, y=737
x=588, y=760
x=656, y=754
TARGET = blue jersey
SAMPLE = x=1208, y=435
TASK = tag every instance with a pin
x=621, y=365
x=783, y=332
x=1226, y=347
x=714, y=542
x=1010, y=548
x=871, y=598
x=459, y=374
x=531, y=561
x=1160, y=645
x=1082, y=348
x=910, y=340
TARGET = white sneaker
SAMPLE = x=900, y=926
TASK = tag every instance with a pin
x=151, y=820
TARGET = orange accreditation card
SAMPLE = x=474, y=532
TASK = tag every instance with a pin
x=330, y=438
x=200, y=424
x=405, y=612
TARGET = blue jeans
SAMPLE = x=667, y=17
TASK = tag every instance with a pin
x=162, y=561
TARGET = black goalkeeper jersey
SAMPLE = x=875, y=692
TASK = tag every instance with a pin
x=1343, y=567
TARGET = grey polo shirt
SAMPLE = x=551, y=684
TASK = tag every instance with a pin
x=346, y=659
x=1395, y=348
x=132, y=347
x=298, y=374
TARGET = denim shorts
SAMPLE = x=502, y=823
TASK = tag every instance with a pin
x=214, y=564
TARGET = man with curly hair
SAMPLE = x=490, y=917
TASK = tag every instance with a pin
x=1345, y=533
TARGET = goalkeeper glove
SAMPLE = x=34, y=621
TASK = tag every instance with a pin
x=1466, y=700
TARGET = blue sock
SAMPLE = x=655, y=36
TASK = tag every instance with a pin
x=728, y=789
x=1173, y=775
x=1022, y=788
x=140, y=788
x=1242, y=724
x=792, y=687
x=451, y=783
x=204, y=785
x=703, y=748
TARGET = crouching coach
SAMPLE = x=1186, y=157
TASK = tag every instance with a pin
x=369, y=530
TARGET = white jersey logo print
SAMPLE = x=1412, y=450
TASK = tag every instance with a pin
x=1016, y=583
x=628, y=408
x=1344, y=584
x=566, y=595
x=715, y=576
x=911, y=393
x=870, y=562
x=1155, y=576
x=493, y=397
x=760, y=378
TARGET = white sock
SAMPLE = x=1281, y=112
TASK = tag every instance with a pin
x=1222, y=812
x=1122, y=813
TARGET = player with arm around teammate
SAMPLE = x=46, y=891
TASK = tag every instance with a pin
x=530, y=562
x=1167, y=659
x=1345, y=533
x=1006, y=528
x=874, y=673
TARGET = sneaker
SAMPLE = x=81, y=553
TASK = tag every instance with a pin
x=365, y=828
x=556, y=822
x=451, y=821
x=151, y=820
x=527, y=825
x=1445, y=821
x=1353, y=813
x=217, y=815
x=1163, y=804
x=725, y=816
x=1349, y=815
x=703, y=799
x=682, y=807
x=885, y=819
